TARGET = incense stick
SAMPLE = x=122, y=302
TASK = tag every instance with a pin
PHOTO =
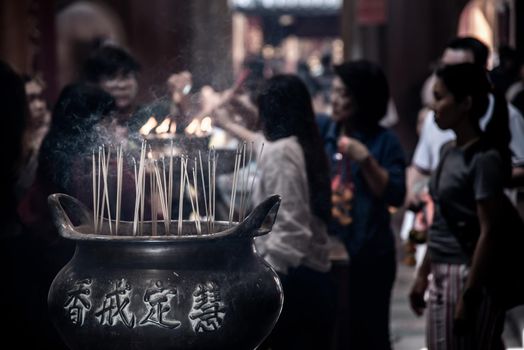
x=195, y=169
x=95, y=217
x=164, y=186
x=98, y=189
x=186, y=180
x=246, y=187
x=140, y=189
x=136, y=174
x=162, y=194
x=213, y=182
x=167, y=220
x=204, y=190
x=153, y=203
x=170, y=186
x=119, y=170
x=243, y=183
x=105, y=165
x=142, y=204
x=136, y=191
x=255, y=173
x=181, y=196
x=209, y=170
x=232, y=201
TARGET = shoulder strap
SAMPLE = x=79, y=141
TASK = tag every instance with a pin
x=443, y=154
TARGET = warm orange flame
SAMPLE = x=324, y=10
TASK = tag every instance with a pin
x=172, y=129
x=205, y=125
x=163, y=127
x=192, y=127
x=199, y=128
x=148, y=126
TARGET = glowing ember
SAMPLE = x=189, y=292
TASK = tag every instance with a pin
x=167, y=128
x=147, y=127
x=205, y=125
x=199, y=128
x=163, y=127
x=192, y=127
x=172, y=129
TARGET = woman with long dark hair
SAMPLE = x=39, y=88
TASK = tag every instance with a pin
x=285, y=110
x=471, y=216
x=294, y=165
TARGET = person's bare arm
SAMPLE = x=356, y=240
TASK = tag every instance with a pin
x=223, y=119
x=416, y=295
x=241, y=105
x=375, y=175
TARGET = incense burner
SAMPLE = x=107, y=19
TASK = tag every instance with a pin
x=187, y=291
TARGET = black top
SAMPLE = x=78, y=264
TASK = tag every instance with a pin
x=463, y=177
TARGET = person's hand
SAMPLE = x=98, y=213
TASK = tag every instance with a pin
x=414, y=201
x=416, y=197
x=209, y=99
x=180, y=85
x=416, y=295
x=353, y=148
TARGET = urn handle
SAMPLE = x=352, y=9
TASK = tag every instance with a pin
x=260, y=221
x=68, y=212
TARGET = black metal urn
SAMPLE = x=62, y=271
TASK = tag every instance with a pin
x=188, y=291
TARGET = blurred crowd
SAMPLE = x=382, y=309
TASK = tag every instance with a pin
x=330, y=151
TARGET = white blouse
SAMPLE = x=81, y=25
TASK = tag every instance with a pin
x=298, y=236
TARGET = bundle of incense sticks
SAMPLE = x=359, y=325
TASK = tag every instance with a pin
x=160, y=193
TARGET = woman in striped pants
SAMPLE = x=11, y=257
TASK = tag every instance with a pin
x=468, y=191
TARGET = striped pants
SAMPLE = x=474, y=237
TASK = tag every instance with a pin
x=445, y=289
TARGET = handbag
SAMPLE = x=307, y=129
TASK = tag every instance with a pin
x=505, y=271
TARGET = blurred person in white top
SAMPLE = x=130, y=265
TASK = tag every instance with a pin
x=427, y=152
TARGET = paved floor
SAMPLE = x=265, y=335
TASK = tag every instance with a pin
x=407, y=330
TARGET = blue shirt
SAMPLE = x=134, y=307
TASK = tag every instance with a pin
x=370, y=232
